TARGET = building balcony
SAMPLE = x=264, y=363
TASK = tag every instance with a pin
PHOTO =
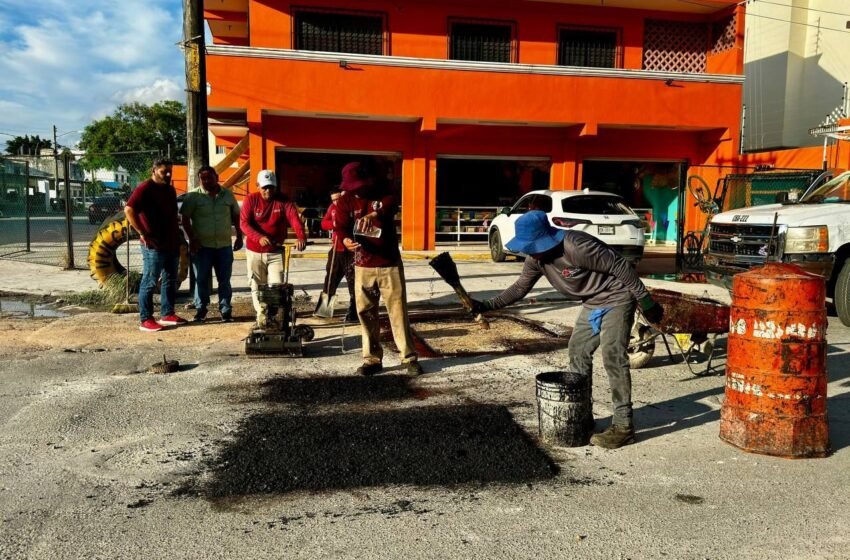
x=392, y=88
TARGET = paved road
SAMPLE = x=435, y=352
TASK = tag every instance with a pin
x=299, y=458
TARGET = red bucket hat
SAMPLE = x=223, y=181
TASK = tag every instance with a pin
x=353, y=177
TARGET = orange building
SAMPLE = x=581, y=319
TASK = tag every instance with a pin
x=470, y=103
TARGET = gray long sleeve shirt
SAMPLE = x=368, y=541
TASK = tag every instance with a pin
x=589, y=270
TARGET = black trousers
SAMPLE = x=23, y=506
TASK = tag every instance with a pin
x=343, y=266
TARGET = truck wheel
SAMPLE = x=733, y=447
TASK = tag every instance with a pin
x=497, y=252
x=842, y=294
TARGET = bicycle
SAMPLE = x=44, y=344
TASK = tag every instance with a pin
x=708, y=203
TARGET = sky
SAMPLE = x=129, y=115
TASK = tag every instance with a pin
x=68, y=62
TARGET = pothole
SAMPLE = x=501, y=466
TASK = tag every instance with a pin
x=455, y=333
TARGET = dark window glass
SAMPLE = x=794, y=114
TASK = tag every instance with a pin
x=595, y=205
x=541, y=202
x=344, y=33
x=483, y=42
x=522, y=206
x=582, y=47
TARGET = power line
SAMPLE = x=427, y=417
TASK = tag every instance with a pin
x=749, y=15
x=792, y=7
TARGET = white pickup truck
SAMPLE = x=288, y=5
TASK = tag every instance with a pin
x=813, y=232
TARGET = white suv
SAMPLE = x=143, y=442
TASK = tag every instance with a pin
x=600, y=214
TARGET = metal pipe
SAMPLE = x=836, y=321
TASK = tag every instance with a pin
x=27, y=202
x=69, y=216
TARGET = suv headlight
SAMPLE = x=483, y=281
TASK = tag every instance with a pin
x=813, y=239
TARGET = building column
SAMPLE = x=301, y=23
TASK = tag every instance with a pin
x=257, y=141
x=419, y=191
x=563, y=175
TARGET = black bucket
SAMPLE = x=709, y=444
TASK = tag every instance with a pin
x=563, y=408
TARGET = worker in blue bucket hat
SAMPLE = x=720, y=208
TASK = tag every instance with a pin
x=582, y=267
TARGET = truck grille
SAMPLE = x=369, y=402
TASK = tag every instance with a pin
x=741, y=240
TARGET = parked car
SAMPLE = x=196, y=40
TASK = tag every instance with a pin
x=104, y=206
x=603, y=215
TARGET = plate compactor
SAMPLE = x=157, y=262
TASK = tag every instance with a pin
x=280, y=335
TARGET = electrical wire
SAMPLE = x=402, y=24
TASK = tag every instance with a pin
x=793, y=7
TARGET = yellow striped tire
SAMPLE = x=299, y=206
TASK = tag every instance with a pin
x=103, y=250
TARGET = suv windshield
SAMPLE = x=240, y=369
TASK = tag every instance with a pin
x=836, y=190
x=604, y=205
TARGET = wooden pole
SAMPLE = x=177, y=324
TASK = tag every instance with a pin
x=194, y=50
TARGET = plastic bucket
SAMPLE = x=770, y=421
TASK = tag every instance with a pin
x=563, y=408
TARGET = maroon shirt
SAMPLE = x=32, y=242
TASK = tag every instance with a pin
x=156, y=208
x=373, y=252
x=328, y=225
x=268, y=218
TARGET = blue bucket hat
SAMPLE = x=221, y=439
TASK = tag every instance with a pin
x=534, y=234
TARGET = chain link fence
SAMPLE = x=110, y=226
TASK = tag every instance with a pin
x=53, y=207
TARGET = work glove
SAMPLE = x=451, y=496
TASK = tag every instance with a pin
x=651, y=309
x=479, y=307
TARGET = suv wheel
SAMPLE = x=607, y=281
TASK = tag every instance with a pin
x=497, y=252
x=842, y=294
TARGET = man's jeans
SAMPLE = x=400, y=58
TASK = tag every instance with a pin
x=157, y=264
x=204, y=262
x=614, y=338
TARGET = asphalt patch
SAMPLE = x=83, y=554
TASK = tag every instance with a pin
x=280, y=453
x=338, y=390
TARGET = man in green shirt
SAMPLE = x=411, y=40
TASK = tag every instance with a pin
x=208, y=217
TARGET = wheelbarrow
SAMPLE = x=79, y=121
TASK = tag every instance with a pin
x=694, y=322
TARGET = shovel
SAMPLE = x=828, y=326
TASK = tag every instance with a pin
x=447, y=269
x=326, y=305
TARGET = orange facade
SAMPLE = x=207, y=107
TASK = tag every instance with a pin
x=414, y=103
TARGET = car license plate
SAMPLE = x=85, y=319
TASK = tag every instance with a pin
x=606, y=230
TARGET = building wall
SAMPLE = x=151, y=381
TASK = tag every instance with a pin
x=796, y=66
x=422, y=113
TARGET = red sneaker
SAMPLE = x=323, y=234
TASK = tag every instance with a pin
x=172, y=320
x=149, y=325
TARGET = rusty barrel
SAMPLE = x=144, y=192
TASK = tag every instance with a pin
x=776, y=368
x=564, y=413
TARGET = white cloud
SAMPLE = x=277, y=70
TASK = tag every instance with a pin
x=65, y=63
x=160, y=90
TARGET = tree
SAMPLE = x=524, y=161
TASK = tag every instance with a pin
x=27, y=145
x=135, y=127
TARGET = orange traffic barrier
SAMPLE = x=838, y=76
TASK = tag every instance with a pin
x=776, y=368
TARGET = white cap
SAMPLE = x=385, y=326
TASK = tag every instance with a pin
x=266, y=177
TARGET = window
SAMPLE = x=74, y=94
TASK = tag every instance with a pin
x=482, y=41
x=595, y=205
x=596, y=48
x=342, y=32
x=220, y=150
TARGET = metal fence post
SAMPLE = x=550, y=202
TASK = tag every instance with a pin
x=69, y=213
x=27, y=203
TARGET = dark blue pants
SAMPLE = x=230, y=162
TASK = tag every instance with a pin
x=204, y=262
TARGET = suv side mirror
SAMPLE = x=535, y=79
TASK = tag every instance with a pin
x=506, y=210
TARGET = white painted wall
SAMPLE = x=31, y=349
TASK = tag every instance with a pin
x=796, y=60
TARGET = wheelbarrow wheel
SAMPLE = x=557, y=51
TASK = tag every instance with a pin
x=641, y=345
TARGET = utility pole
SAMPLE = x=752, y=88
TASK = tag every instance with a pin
x=55, y=165
x=194, y=51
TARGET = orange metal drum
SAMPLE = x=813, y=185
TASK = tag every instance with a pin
x=776, y=369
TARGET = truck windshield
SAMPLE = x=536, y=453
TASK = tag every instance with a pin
x=836, y=190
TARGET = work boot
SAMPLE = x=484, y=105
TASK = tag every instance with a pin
x=614, y=437
x=370, y=369
x=413, y=368
x=227, y=317
x=200, y=315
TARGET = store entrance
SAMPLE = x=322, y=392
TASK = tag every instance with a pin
x=470, y=192
x=650, y=188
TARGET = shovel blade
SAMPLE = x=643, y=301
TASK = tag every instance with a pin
x=325, y=308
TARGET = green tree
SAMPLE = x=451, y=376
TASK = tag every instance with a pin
x=27, y=145
x=134, y=127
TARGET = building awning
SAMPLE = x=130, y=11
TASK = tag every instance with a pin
x=111, y=185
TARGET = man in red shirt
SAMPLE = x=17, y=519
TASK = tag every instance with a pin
x=266, y=215
x=365, y=221
x=152, y=211
x=340, y=261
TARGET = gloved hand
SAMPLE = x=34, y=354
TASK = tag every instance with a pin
x=651, y=309
x=479, y=307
